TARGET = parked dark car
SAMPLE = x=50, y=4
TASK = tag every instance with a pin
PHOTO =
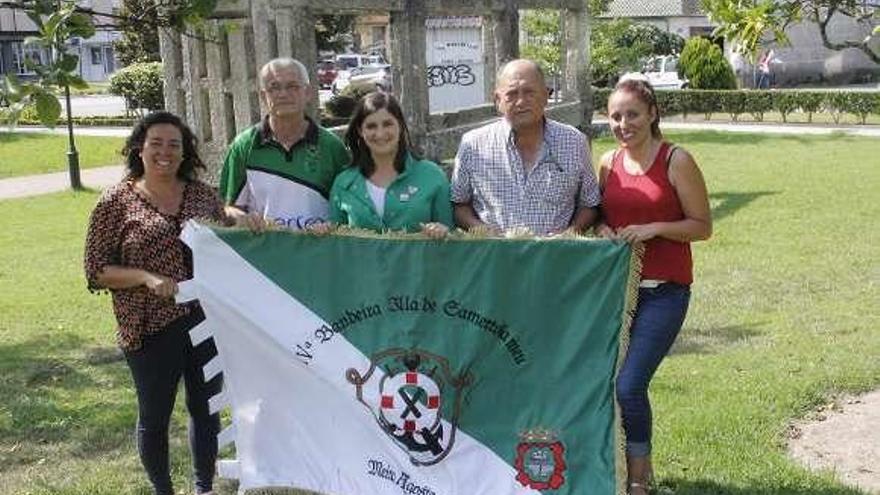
x=326, y=73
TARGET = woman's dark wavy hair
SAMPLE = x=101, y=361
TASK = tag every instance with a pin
x=643, y=90
x=191, y=164
x=360, y=153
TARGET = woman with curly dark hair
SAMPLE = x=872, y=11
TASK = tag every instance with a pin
x=134, y=251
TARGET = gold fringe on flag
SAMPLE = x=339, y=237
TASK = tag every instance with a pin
x=629, y=311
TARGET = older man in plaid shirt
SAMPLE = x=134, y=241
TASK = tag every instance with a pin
x=524, y=170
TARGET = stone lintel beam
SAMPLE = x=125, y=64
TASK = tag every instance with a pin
x=235, y=8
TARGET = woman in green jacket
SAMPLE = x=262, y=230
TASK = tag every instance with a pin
x=387, y=188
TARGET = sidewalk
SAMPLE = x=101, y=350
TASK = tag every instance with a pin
x=32, y=185
x=862, y=130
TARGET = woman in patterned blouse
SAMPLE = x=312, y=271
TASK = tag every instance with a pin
x=133, y=250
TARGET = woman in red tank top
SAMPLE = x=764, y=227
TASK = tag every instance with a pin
x=652, y=192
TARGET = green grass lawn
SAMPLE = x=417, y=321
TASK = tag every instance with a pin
x=783, y=317
x=26, y=153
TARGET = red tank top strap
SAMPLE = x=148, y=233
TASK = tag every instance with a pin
x=660, y=167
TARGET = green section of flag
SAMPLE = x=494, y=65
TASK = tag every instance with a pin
x=534, y=323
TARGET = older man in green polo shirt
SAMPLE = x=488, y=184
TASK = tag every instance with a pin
x=280, y=170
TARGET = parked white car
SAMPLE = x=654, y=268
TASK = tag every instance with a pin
x=372, y=77
x=348, y=61
x=662, y=72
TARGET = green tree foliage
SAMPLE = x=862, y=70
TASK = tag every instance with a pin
x=659, y=41
x=333, y=32
x=140, y=33
x=543, y=40
x=614, y=51
x=619, y=46
x=705, y=67
x=752, y=22
x=141, y=86
x=55, y=26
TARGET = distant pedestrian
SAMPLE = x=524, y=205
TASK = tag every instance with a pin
x=765, y=69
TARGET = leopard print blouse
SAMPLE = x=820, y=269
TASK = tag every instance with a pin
x=125, y=229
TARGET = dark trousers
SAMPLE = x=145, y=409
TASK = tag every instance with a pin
x=659, y=315
x=157, y=368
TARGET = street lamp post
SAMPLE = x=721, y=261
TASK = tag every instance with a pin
x=72, y=154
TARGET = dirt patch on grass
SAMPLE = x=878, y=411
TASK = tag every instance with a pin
x=843, y=437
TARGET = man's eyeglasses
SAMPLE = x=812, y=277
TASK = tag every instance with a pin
x=276, y=88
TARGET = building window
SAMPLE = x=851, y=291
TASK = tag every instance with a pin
x=21, y=54
x=97, y=55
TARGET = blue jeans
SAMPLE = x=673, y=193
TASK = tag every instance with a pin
x=659, y=315
x=157, y=369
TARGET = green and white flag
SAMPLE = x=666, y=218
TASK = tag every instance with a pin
x=373, y=365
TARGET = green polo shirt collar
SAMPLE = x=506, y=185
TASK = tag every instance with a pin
x=265, y=137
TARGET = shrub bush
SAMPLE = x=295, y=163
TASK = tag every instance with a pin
x=733, y=103
x=861, y=104
x=140, y=85
x=811, y=102
x=785, y=103
x=343, y=104
x=340, y=106
x=704, y=66
x=600, y=100
x=835, y=104
x=759, y=103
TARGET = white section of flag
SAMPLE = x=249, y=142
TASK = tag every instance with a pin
x=301, y=425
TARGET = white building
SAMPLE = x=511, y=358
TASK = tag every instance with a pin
x=96, y=59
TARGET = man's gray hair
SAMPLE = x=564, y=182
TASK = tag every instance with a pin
x=281, y=64
x=521, y=61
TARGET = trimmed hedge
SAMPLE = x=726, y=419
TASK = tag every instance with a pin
x=758, y=102
x=87, y=122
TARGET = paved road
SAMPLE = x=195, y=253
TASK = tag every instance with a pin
x=89, y=106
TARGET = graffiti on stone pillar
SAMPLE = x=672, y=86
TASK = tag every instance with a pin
x=453, y=75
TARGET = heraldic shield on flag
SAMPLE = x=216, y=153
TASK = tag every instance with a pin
x=396, y=364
